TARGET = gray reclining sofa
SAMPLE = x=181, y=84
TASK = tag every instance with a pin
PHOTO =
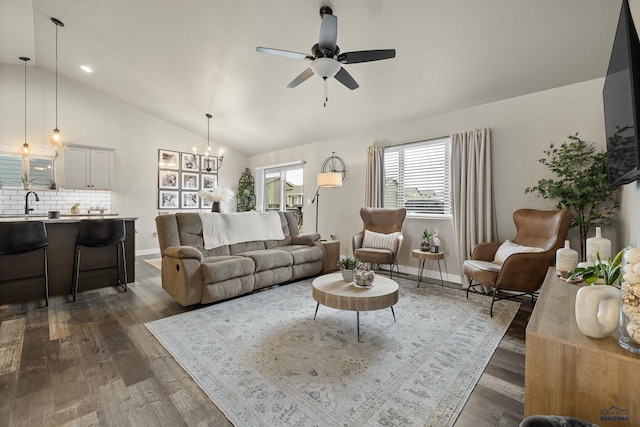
x=192, y=274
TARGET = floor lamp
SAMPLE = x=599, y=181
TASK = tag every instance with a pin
x=326, y=180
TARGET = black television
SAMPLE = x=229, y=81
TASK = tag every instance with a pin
x=621, y=96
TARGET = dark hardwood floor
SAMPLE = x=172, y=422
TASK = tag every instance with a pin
x=94, y=363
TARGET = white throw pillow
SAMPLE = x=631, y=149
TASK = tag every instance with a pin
x=379, y=240
x=510, y=248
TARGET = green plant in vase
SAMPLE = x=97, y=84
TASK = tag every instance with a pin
x=425, y=243
x=348, y=265
x=607, y=273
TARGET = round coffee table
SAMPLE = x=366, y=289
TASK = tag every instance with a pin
x=331, y=290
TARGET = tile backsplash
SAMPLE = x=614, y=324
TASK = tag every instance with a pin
x=12, y=201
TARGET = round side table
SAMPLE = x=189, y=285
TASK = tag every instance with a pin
x=424, y=256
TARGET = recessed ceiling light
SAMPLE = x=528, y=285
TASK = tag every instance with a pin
x=86, y=69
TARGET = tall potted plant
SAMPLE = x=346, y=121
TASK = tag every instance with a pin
x=578, y=183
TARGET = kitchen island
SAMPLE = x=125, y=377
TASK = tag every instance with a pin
x=61, y=233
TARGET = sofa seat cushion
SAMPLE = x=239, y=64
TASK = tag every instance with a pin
x=303, y=254
x=219, y=268
x=269, y=258
x=485, y=272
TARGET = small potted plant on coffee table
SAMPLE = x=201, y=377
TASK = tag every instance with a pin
x=348, y=265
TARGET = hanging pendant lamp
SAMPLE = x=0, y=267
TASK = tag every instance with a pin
x=25, y=149
x=55, y=139
x=211, y=163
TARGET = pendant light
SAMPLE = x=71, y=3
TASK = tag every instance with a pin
x=55, y=139
x=208, y=159
x=26, y=150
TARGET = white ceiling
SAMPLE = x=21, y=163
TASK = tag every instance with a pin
x=178, y=60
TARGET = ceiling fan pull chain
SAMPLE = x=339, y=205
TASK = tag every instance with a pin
x=326, y=92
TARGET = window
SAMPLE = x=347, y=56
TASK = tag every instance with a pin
x=280, y=188
x=13, y=166
x=418, y=177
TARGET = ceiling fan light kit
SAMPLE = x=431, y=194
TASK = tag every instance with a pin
x=326, y=59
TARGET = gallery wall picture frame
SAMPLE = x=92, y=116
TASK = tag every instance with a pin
x=190, y=181
x=190, y=162
x=208, y=181
x=168, y=199
x=169, y=159
x=209, y=164
x=189, y=200
x=206, y=203
x=168, y=179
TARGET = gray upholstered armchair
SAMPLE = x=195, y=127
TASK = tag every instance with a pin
x=381, y=237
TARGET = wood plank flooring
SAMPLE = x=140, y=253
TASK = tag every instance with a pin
x=94, y=363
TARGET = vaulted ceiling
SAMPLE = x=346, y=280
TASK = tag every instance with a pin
x=178, y=60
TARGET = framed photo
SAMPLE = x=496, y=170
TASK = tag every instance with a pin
x=208, y=181
x=190, y=162
x=168, y=179
x=190, y=181
x=209, y=164
x=168, y=199
x=189, y=200
x=206, y=203
x=168, y=160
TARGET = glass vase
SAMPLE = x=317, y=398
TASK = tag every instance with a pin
x=629, y=333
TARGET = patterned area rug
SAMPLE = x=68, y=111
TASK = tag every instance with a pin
x=264, y=361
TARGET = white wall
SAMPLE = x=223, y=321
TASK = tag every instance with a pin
x=521, y=129
x=91, y=118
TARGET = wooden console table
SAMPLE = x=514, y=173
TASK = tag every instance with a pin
x=568, y=373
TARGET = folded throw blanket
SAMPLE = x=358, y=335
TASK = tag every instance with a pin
x=219, y=229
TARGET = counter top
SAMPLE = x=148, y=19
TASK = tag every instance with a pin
x=63, y=218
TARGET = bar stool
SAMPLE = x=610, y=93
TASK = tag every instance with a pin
x=21, y=238
x=100, y=233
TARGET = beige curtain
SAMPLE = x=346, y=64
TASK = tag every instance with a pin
x=474, y=218
x=374, y=180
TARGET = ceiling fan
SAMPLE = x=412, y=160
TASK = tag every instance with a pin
x=326, y=59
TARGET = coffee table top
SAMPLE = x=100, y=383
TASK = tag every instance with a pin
x=331, y=290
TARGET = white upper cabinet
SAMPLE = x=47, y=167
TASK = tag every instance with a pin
x=88, y=167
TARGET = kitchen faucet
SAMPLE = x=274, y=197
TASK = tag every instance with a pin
x=27, y=209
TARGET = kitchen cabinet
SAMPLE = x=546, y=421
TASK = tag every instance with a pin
x=88, y=167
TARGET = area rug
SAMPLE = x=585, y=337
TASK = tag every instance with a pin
x=155, y=262
x=264, y=361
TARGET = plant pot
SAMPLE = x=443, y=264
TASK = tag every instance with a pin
x=425, y=245
x=215, y=207
x=347, y=275
x=26, y=185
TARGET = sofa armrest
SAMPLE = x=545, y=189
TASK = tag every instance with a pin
x=305, y=239
x=184, y=252
x=485, y=251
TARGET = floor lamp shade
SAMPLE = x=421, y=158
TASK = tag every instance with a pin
x=329, y=179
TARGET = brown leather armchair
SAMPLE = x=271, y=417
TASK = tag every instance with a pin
x=521, y=273
x=385, y=221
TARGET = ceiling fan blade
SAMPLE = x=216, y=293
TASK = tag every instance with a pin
x=366, y=56
x=328, y=32
x=345, y=78
x=285, y=53
x=302, y=77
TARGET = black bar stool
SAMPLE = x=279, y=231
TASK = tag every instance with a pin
x=23, y=237
x=100, y=233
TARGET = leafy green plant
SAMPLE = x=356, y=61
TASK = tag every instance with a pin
x=610, y=271
x=24, y=177
x=349, y=263
x=426, y=234
x=579, y=183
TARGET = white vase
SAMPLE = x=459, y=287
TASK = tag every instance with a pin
x=597, y=310
x=598, y=245
x=566, y=258
x=347, y=275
